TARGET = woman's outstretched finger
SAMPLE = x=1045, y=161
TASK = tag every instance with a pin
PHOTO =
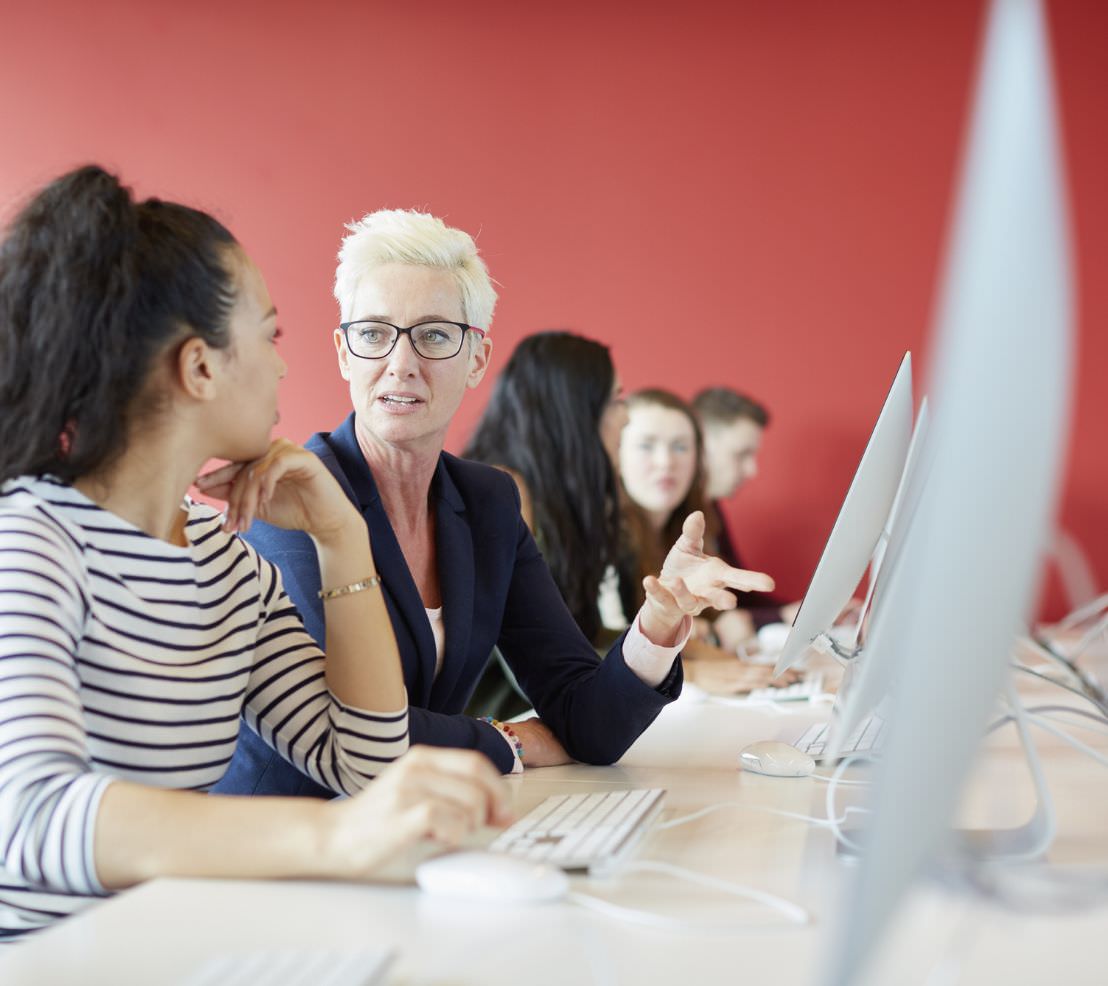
x=720, y=599
x=741, y=579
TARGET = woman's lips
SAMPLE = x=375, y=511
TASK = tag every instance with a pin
x=400, y=403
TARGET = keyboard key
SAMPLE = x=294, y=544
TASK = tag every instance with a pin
x=583, y=831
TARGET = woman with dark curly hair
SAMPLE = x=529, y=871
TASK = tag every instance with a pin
x=553, y=423
x=137, y=342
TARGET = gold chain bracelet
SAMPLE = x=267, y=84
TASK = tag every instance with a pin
x=345, y=590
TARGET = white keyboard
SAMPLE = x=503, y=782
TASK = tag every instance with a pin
x=804, y=690
x=865, y=738
x=309, y=966
x=594, y=832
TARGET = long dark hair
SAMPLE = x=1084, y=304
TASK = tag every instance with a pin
x=543, y=422
x=647, y=548
x=93, y=286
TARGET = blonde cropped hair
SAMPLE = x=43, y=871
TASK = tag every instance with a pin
x=404, y=236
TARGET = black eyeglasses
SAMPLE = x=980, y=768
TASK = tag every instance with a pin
x=431, y=340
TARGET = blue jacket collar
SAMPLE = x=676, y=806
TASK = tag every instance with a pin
x=361, y=486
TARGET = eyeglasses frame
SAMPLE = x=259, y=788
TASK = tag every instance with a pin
x=401, y=331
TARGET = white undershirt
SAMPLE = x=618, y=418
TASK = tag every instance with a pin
x=609, y=603
x=438, y=630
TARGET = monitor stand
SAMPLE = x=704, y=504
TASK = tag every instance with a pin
x=1023, y=843
x=1031, y=840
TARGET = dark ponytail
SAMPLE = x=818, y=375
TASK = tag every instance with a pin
x=93, y=286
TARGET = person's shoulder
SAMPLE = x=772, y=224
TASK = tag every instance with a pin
x=204, y=529
x=42, y=508
x=319, y=444
x=202, y=515
x=478, y=479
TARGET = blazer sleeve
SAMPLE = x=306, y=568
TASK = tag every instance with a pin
x=597, y=708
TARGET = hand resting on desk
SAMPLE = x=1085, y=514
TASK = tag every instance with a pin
x=541, y=747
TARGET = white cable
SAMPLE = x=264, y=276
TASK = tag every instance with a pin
x=811, y=819
x=1098, y=629
x=1080, y=692
x=829, y=801
x=842, y=780
x=796, y=915
x=1043, y=710
x=1067, y=738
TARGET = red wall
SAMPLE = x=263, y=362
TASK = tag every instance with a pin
x=747, y=193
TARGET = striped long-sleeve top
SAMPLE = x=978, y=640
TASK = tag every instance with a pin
x=123, y=656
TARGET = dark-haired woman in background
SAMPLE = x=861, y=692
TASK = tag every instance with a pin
x=137, y=341
x=553, y=423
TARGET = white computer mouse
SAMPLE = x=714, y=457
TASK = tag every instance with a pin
x=490, y=876
x=776, y=759
x=772, y=637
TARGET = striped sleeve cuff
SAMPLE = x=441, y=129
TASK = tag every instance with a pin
x=364, y=743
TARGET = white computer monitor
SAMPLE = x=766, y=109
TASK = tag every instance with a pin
x=967, y=573
x=868, y=681
x=860, y=522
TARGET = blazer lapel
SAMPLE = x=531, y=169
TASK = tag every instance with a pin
x=417, y=652
x=454, y=547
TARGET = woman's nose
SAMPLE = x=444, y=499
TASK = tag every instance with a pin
x=403, y=360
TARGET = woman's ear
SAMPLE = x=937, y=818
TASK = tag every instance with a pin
x=479, y=362
x=195, y=370
x=343, y=355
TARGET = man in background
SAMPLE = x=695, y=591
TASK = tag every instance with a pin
x=733, y=426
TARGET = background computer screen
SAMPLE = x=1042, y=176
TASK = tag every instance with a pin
x=860, y=521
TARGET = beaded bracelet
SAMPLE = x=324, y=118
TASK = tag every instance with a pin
x=345, y=590
x=507, y=731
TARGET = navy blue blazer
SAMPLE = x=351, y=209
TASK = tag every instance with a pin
x=496, y=590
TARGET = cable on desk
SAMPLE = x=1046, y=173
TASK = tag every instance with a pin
x=830, y=778
x=1067, y=738
x=1087, y=686
x=1042, y=710
x=796, y=915
x=709, y=809
x=832, y=786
